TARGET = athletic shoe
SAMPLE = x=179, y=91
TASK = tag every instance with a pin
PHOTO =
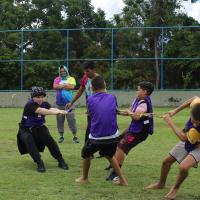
x=40, y=166
x=63, y=165
x=61, y=140
x=75, y=140
x=111, y=176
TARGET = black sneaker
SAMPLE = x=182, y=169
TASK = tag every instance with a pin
x=75, y=140
x=40, y=166
x=61, y=140
x=63, y=165
x=111, y=176
x=108, y=168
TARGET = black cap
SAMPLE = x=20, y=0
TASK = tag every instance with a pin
x=37, y=91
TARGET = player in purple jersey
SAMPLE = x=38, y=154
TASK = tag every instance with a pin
x=186, y=152
x=33, y=135
x=103, y=134
x=140, y=126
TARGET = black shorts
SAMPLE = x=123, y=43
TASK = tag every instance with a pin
x=131, y=140
x=105, y=147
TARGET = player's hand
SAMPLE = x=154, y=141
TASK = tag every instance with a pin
x=172, y=112
x=167, y=118
x=61, y=112
x=68, y=105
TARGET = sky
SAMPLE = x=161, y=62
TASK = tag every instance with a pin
x=112, y=7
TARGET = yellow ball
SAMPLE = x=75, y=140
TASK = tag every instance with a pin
x=193, y=135
x=195, y=101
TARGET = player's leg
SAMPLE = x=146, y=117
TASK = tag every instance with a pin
x=72, y=125
x=88, y=150
x=165, y=168
x=190, y=161
x=124, y=146
x=86, y=166
x=48, y=140
x=60, y=125
x=116, y=167
x=177, y=153
x=27, y=138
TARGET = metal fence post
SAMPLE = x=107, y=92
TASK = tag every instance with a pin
x=161, y=62
x=112, y=61
x=22, y=60
x=67, y=49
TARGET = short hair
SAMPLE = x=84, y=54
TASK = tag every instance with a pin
x=195, y=112
x=88, y=65
x=148, y=86
x=98, y=83
x=37, y=91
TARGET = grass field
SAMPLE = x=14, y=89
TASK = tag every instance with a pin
x=20, y=181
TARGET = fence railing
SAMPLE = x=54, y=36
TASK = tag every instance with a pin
x=112, y=58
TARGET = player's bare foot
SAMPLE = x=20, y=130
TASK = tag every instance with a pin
x=155, y=186
x=81, y=180
x=171, y=194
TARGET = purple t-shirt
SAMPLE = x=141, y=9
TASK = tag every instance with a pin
x=102, y=110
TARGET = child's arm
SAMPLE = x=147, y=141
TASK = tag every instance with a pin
x=181, y=135
x=137, y=114
x=124, y=112
x=181, y=107
x=54, y=111
x=77, y=96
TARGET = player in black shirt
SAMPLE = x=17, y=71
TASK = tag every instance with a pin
x=33, y=135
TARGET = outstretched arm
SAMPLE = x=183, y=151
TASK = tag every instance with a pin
x=181, y=107
x=54, y=111
x=180, y=134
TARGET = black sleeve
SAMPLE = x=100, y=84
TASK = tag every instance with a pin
x=30, y=108
x=47, y=105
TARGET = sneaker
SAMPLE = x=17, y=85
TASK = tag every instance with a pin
x=40, y=166
x=116, y=179
x=61, y=140
x=63, y=165
x=111, y=176
x=108, y=168
x=75, y=140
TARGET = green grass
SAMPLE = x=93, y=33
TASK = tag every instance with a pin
x=20, y=181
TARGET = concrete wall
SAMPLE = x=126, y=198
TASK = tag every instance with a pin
x=159, y=98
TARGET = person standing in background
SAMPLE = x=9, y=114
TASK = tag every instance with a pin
x=89, y=74
x=64, y=84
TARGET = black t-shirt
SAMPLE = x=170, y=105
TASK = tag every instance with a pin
x=30, y=118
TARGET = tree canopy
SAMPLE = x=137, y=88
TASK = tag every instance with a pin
x=134, y=43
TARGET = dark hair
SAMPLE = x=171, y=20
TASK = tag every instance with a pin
x=148, y=86
x=98, y=83
x=37, y=91
x=62, y=67
x=195, y=112
x=88, y=65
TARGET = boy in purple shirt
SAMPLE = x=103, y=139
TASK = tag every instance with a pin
x=33, y=135
x=186, y=152
x=140, y=126
x=103, y=135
